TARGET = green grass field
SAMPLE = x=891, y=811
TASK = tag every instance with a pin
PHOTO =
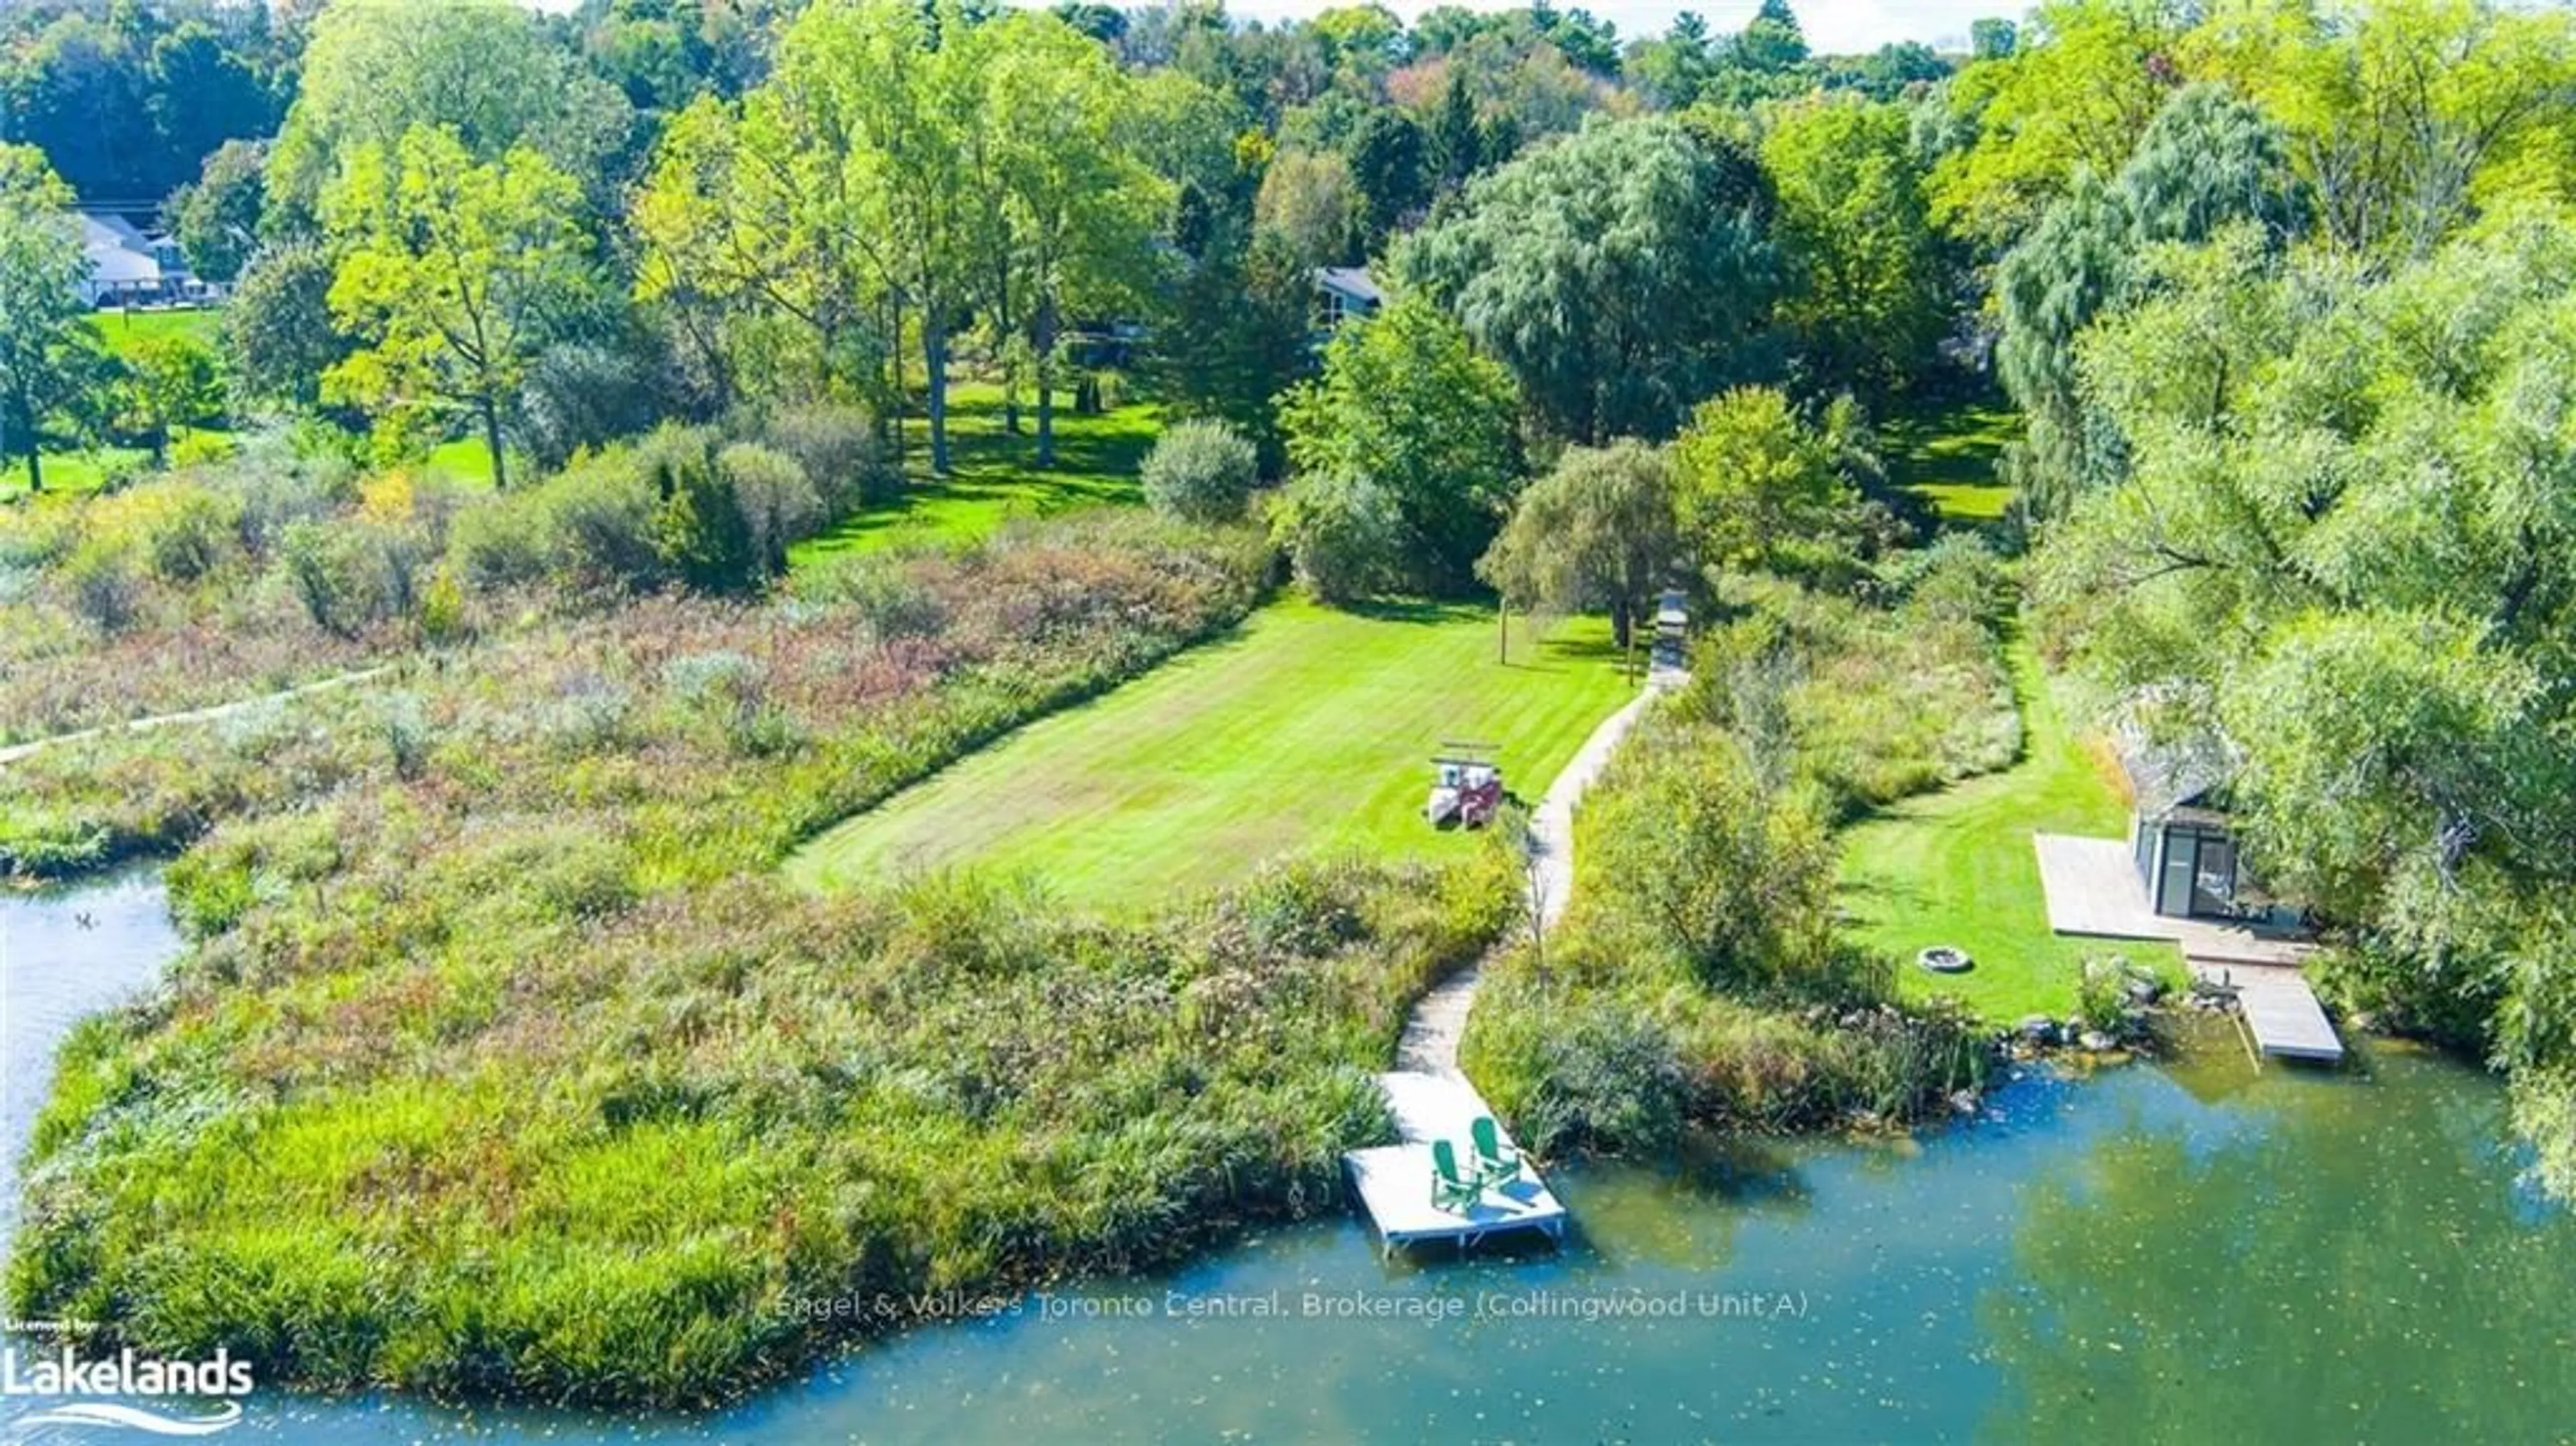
x=84, y=469
x=467, y=462
x=1958, y=867
x=1306, y=729
x=991, y=479
x=121, y=329
x=1947, y=458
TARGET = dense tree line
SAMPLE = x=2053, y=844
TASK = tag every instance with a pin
x=714, y=204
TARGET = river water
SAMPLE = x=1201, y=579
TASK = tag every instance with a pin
x=2193, y=1252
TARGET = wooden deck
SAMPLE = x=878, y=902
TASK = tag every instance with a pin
x=2093, y=889
x=2278, y=1008
x=1394, y=1181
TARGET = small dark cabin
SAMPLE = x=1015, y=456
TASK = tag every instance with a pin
x=2179, y=827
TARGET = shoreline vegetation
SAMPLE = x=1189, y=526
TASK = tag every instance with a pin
x=503, y=1064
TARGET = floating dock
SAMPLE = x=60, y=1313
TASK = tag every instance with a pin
x=1394, y=1181
x=2280, y=1012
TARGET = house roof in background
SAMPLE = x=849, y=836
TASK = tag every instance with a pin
x=2186, y=769
x=1351, y=281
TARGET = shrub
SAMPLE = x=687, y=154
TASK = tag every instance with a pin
x=338, y=574
x=1594, y=1074
x=699, y=529
x=837, y=447
x=1344, y=535
x=281, y=479
x=602, y=525
x=583, y=394
x=105, y=586
x=1201, y=470
x=778, y=504
x=189, y=536
x=1732, y=873
x=502, y=544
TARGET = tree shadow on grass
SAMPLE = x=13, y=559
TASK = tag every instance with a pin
x=1411, y=610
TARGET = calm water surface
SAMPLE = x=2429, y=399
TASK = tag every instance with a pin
x=2192, y=1253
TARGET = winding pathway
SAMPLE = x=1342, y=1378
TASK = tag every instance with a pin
x=16, y=751
x=1432, y=1031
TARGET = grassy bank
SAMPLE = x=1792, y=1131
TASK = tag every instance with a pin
x=1309, y=729
x=502, y=1064
x=992, y=478
x=1957, y=867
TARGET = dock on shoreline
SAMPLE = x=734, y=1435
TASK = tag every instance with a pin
x=1394, y=1182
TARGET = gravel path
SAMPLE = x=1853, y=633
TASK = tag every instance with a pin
x=1432, y=1031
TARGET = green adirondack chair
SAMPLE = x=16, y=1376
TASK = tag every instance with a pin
x=1451, y=1190
x=1496, y=1163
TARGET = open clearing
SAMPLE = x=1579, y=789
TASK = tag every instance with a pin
x=1306, y=729
x=1957, y=867
x=1947, y=457
x=992, y=474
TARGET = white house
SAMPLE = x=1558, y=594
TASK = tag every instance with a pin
x=128, y=267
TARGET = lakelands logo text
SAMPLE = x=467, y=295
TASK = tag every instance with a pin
x=56, y=1380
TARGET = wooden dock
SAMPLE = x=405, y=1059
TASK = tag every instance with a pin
x=2279, y=1011
x=2092, y=888
x=1393, y=1182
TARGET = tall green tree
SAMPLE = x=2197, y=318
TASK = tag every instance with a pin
x=2342, y=542
x=1390, y=161
x=452, y=272
x=169, y=384
x=2405, y=116
x=1601, y=530
x=489, y=72
x=891, y=94
x=1870, y=293
x=1310, y=203
x=278, y=339
x=1405, y=455
x=2207, y=162
x=216, y=218
x=42, y=335
x=2075, y=93
x=1759, y=489
x=1621, y=273
x=1079, y=208
x=1772, y=40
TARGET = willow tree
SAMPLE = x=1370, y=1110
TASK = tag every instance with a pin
x=2344, y=539
x=1622, y=273
x=1601, y=530
x=451, y=271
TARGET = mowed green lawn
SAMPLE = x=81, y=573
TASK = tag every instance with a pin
x=85, y=469
x=1947, y=458
x=993, y=476
x=1306, y=729
x=1957, y=867
x=121, y=329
